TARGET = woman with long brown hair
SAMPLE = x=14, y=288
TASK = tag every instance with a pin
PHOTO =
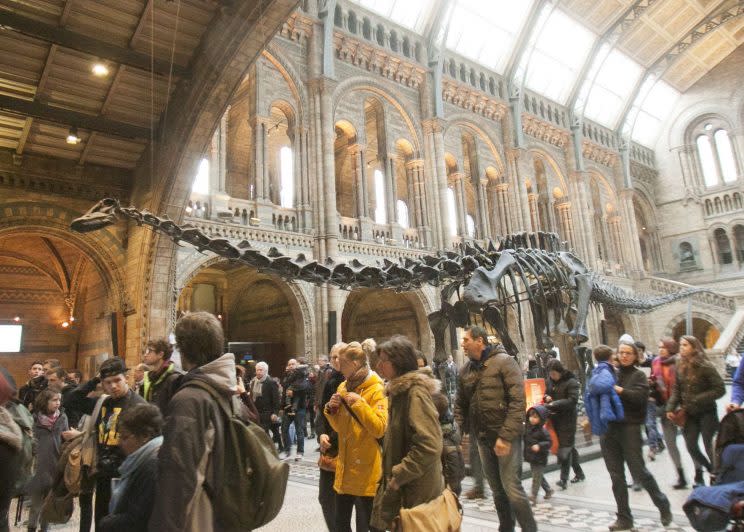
x=696, y=388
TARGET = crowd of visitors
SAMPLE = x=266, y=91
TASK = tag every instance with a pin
x=389, y=427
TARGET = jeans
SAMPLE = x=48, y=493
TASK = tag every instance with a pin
x=503, y=475
x=34, y=514
x=327, y=498
x=86, y=511
x=705, y=424
x=345, y=504
x=622, y=444
x=653, y=436
x=538, y=479
x=299, y=424
x=103, y=497
x=568, y=457
x=476, y=468
x=669, y=430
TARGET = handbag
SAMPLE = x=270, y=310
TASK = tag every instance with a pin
x=443, y=514
x=327, y=462
x=679, y=417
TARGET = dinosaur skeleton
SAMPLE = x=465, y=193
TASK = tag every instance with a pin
x=534, y=268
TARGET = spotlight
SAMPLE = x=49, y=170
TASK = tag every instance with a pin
x=65, y=324
x=72, y=136
x=219, y=316
x=72, y=319
x=17, y=319
x=100, y=70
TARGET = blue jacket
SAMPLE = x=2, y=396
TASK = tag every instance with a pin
x=737, y=386
x=601, y=400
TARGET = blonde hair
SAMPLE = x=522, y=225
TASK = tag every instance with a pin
x=354, y=353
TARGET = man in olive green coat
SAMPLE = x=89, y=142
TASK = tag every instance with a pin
x=490, y=397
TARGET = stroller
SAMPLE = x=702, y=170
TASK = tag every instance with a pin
x=721, y=505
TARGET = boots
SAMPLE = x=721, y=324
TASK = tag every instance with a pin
x=681, y=480
x=699, y=479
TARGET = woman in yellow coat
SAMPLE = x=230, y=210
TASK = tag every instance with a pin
x=358, y=412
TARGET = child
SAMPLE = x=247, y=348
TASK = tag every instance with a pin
x=600, y=399
x=453, y=464
x=537, y=444
x=49, y=424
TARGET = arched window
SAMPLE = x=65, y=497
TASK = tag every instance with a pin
x=380, y=214
x=470, y=223
x=451, y=211
x=715, y=153
x=723, y=245
x=739, y=241
x=402, y=214
x=725, y=155
x=707, y=163
x=201, y=182
x=286, y=164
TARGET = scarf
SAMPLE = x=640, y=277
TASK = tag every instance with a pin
x=48, y=421
x=129, y=466
x=257, y=388
x=353, y=382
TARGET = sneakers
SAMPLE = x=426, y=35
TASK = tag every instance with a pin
x=620, y=525
x=298, y=457
x=474, y=493
x=549, y=494
x=578, y=478
x=561, y=484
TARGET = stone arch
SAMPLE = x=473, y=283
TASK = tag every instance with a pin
x=298, y=299
x=362, y=84
x=550, y=162
x=100, y=247
x=384, y=313
x=287, y=109
x=680, y=127
x=706, y=326
x=287, y=69
x=346, y=160
x=464, y=121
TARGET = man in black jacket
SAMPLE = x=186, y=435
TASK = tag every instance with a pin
x=622, y=442
x=561, y=399
x=265, y=395
x=120, y=398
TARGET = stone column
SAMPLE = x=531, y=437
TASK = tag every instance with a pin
x=614, y=230
x=520, y=210
x=328, y=136
x=534, y=214
x=460, y=204
x=420, y=207
x=502, y=195
x=390, y=189
x=356, y=152
x=564, y=213
x=434, y=130
x=484, y=225
x=630, y=229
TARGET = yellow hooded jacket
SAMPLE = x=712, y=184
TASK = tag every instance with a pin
x=359, y=463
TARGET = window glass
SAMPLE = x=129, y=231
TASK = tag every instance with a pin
x=707, y=163
x=725, y=155
x=407, y=13
x=287, y=177
x=470, y=226
x=10, y=338
x=612, y=87
x=380, y=214
x=560, y=51
x=451, y=212
x=201, y=182
x=402, y=214
x=486, y=31
x=656, y=107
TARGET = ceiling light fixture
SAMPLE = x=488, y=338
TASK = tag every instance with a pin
x=65, y=324
x=72, y=136
x=17, y=319
x=100, y=70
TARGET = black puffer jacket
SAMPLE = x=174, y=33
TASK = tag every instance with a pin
x=490, y=397
x=562, y=409
x=696, y=388
x=634, y=395
x=537, y=435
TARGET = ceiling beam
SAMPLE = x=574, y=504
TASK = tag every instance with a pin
x=521, y=44
x=89, y=45
x=72, y=118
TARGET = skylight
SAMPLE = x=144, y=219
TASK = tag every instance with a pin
x=654, y=110
x=407, y=13
x=612, y=87
x=486, y=31
x=560, y=51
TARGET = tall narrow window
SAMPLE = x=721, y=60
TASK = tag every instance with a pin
x=286, y=163
x=402, y=214
x=707, y=163
x=470, y=226
x=725, y=155
x=201, y=182
x=451, y=211
x=380, y=214
x=724, y=246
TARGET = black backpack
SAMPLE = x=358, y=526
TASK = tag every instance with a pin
x=254, y=479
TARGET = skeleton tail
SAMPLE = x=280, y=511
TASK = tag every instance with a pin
x=617, y=298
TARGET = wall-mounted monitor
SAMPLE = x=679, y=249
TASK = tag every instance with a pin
x=10, y=338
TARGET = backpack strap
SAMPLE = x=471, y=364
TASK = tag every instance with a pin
x=227, y=408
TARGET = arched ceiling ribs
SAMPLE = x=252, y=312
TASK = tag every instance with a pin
x=77, y=279
x=611, y=36
x=58, y=264
x=520, y=47
x=720, y=14
x=436, y=20
x=36, y=263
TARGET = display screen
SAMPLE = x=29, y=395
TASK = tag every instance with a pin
x=10, y=338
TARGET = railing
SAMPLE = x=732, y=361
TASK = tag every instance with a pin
x=545, y=109
x=599, y=134
x=712, y=299
x=348, y=228
x=478, y=77
x=237, y=233
x=723, y=203
x=367, y=249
